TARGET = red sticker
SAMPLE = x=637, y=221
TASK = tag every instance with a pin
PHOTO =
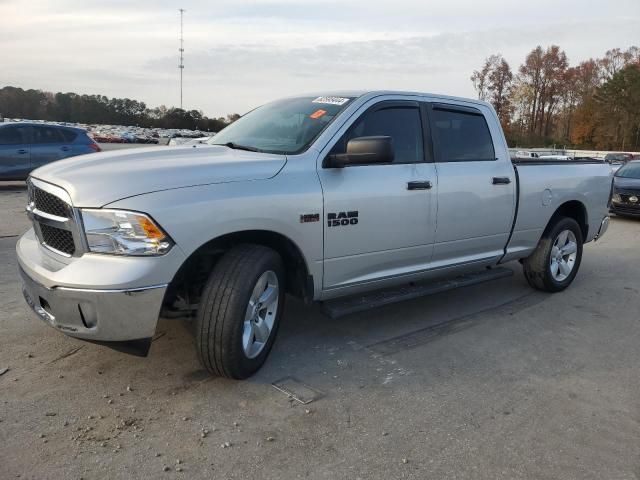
x=317, y=114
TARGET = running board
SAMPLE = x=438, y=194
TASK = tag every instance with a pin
x=345, y=306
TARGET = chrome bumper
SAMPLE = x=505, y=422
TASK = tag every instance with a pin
x=97, y=315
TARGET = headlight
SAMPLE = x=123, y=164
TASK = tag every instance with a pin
x=123, y=233
x=616, y=198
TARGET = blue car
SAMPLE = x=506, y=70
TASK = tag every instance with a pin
x=27, y=146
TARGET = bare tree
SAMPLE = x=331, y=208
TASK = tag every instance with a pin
x=493, y=84
x=479, y=78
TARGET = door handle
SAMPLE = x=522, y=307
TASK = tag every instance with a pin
x=419, y=185
x=22, y=151
x=65, y=149
x=501, y=180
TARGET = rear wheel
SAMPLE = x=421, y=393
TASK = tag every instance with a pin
x=240, y=311
x=555, y=262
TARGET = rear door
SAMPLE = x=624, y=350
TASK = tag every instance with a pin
x=14, y=152
x=378, y=227
x=476, y=185
x=48, y=145
x=70, y=147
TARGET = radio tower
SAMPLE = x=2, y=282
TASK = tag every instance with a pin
x=181, y=66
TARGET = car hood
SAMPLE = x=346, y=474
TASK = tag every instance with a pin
x=626, y=183
x=97, y=179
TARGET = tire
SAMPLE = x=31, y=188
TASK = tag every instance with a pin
x=221, y=322
x=547, y=267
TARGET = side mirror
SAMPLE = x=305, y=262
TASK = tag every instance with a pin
x=364, y=151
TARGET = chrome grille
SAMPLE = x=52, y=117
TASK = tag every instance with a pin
x=58, y=239
x=53, y=217
x=47, y=203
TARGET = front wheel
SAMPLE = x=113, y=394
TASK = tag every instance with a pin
x=555, y=262
x=240, y=311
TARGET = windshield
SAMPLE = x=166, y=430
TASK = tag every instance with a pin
x=630, y=170
x=285, y=126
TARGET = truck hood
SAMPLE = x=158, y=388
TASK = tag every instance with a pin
x=97, y=179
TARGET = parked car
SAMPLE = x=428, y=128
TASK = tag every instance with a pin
x=621, y=158
x=556, y=157
x=197, y=141
x=626, y=190
x=522, y=154
x=26, y=146
x=328, y=198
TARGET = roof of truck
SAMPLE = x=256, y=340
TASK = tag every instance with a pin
x=375, y=93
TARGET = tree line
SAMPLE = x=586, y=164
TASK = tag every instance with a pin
x=595, y=104
x=99, y=109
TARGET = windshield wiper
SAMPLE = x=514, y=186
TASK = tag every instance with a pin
x=237, y=146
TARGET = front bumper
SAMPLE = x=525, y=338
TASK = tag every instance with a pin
x=99, y=315
x=625, y=209
x=102, y=298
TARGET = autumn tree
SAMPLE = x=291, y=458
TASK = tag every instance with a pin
x=593, y=104
x=542, y=74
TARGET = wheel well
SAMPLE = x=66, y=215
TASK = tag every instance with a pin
x=186, y=287
x=576, y=210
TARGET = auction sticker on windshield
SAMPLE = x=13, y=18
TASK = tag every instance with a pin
x=331, y=100
x=317, y=114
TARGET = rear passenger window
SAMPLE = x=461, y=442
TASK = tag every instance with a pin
x=13, y=135
x=68, y=135
x=402, y=124
x=461, y=136
x=47, y=135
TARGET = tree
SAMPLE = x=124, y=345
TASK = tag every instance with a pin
x=618, y=109
x=493, y=84
x=480, y=78
x=591, y=105
x=98, y=109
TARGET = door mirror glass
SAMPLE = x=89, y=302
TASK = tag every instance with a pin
x=365, y=151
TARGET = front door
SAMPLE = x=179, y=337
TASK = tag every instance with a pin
x=379, y=220
x=14, y=152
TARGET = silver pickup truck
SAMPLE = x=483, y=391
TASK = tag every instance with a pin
x=352, y=199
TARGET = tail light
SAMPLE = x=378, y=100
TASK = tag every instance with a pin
x=95, y=147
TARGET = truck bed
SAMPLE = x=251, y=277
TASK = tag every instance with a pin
x=545, y=185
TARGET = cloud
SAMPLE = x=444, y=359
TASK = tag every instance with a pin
x=239, y=54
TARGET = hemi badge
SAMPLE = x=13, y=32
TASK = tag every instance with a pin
x=310, y=217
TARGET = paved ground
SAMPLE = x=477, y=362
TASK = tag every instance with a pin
x=490, y=382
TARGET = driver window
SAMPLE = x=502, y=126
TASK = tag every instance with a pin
x=402, y=124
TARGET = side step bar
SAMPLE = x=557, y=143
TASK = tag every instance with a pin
x=345, y=306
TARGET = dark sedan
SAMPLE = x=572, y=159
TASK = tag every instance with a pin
x=626, y=190
x=27, y=146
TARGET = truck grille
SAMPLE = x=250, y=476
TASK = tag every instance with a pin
x=58, y=239
x=47, y=203
x=53, y=217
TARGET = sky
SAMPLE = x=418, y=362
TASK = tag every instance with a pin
x=240, y=54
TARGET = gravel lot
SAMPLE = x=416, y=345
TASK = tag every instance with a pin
x=494, y=381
